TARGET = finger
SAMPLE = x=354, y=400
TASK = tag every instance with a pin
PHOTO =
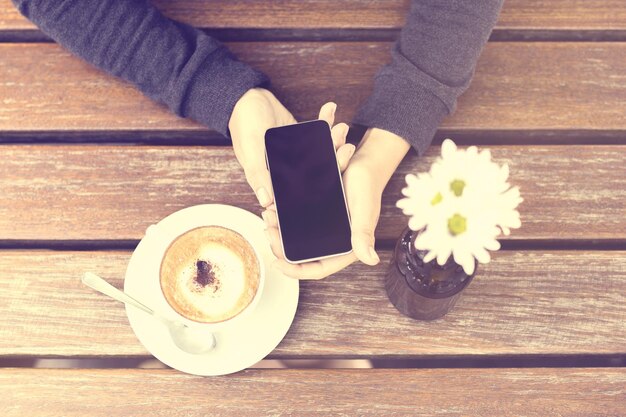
x=283, y=116
x=363, y=239
x=286, y=119
x=316, y=269
x=273, y=237
x=363, y=247
x=344, y=154
x=364, y=216
x=327, y=113
x=364, y=212
x=270, y=218
x=260, y=181
x=339, y=133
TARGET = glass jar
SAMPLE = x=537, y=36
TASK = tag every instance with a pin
x=423, y=290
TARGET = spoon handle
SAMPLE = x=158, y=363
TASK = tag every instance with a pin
x=100, y=285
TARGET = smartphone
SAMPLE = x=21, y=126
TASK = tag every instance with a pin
x=313, y=217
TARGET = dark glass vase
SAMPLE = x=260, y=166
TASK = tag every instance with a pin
x=423, y=290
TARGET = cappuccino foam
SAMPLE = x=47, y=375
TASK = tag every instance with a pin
x=210, y=274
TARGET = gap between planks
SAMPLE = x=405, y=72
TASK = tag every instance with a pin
x=358, y=35
x=408, y=362
x=381, y=244
x=210, y=138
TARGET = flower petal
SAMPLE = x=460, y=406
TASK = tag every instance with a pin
x=492, y=245
x=481, y=255
x=416, y=223
x=466, y=260
x=443, y=255
x=448, y=148
x=430, y=256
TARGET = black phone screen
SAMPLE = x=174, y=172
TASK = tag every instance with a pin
x=312, y=214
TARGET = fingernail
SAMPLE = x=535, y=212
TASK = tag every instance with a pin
x=346, y=130
x=374, y=255
x=334, y=109
x=351, y=151
x=263, y=196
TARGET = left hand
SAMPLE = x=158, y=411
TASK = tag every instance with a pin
x=364, y=180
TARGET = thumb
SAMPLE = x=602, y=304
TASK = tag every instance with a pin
x=364, y=211
x=363, y=247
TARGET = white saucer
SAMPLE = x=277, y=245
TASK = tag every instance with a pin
x=245, y=342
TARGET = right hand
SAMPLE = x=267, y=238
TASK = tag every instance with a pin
x=255, y=112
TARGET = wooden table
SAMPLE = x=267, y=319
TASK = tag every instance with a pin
x=87, y=163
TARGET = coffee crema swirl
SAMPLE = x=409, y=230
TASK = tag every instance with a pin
x=209, y=274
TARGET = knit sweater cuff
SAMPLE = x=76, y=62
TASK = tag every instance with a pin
x=216, y=87
x=405, y=108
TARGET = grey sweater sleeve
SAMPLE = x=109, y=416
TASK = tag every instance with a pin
x=193, y=74
x=432, y=64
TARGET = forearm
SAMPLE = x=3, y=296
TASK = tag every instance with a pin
x=432, y=64
x=192, y=73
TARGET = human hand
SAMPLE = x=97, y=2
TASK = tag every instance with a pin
x=255, y=112
x=364, y=180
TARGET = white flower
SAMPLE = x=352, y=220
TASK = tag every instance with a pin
x=423, y=196
x=463, y=204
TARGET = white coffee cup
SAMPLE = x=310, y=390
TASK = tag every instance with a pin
x=163, y=234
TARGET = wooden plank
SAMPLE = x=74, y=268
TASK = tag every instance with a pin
x=351, y=14
x=61, y=192
x=519, y=86
x=378, y=392
x=526, y=302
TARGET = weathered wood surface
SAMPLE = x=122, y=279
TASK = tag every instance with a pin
x=389, y=14
x=96, y=192
x=526, y=302
x=541, y=392
x=519, y=86
x=531, y=302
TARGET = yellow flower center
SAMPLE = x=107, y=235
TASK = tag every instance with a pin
x=457, y=224
x=457, y=187
x=436, y=199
